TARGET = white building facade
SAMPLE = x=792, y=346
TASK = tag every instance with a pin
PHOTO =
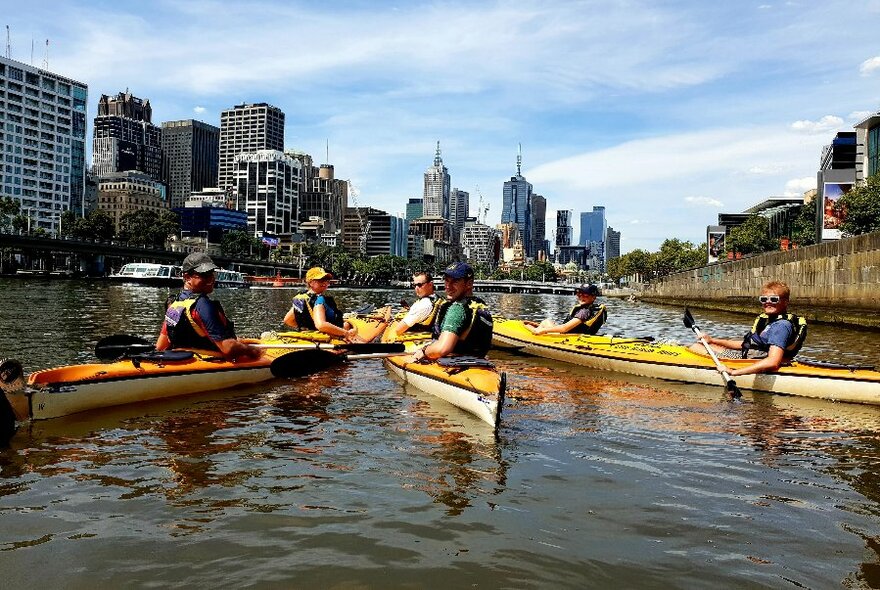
x=267, y=187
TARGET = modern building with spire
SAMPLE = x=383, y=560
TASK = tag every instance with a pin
x=516, y=206
x=436, y=195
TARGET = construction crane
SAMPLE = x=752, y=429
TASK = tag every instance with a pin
x=363, y=220
x=482, y=207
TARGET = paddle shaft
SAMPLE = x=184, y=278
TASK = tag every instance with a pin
x=731, y=384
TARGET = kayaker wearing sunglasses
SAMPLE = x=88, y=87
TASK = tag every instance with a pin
x=584, y=318
x=776, y=335
x=421, y=314
x=192, y=320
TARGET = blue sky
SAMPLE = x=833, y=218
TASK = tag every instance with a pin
x=666, y=113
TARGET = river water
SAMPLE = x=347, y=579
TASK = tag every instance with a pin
x=349, y=480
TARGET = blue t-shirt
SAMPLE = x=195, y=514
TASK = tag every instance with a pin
x=329, y=312
x=780, y=333
x=208, y=313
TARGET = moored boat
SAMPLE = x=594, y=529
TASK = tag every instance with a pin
x=169, y=275
x=641, y=356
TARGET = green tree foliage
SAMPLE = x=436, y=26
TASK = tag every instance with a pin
x=146, y=228
x=861, y=208
x=97, y=224
x=238, y=243
x=540, y=271
x=68, y=223
x=675, y=255
x=9, y=208
x=803, y=226
x=752, y=237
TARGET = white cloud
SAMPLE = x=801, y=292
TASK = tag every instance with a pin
x=869, y=66
x=766, y=169
x=199, y=110
x=857, y=116
x=824, y=125
x=704, y=201
x=798, y=186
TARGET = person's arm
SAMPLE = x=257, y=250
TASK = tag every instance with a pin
x=774, y=359
x=290, y=319
x=163, y=342
x=722, y=342
x=319, y=315
x=557, y=329
x=232, y=348
x=417, y=313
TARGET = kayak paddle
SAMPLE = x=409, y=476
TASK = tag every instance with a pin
x=301, y=363
x=732, y=388
x=352, y=348
x=118, y=345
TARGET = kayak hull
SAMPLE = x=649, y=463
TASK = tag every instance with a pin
x=678, y=363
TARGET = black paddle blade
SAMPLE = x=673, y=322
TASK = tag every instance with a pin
x=371, y=347
x=118, y=345
x=733, y=389
x=304, y=362
x=689, y=319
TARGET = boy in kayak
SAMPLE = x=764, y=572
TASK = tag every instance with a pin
x=584, y=318
x=775, y=337
x=463, y=325
x=421, y=314
x=192, y=320
x=315, y=309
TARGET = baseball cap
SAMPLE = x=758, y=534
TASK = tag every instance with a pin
x=459, y=270
x=588, y=290
x=317, y=273
x=198, y=262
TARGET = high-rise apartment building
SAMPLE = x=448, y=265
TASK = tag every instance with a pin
x=189, y=158
x=125, y=138
x=564, y=229
x=266, y=186
x=459, y=209
x=593, y=226
x=321, y=195
x=612, y=244
x=516, y=206
x=436, y=195
x=539, y=227
x=42, y=142
x=247, y=128
x=480, y=243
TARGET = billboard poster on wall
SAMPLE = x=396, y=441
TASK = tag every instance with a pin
x=831, y=218
x=715, y=243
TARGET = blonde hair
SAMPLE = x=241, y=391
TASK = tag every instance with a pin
x=778, y=287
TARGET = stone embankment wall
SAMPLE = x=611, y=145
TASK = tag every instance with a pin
x=834, y=282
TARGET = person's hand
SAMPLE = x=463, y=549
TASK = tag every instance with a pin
x=351, y=334
x=419, y=354
x=722, y=368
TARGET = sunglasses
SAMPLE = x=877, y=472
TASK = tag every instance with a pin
x=417, y=285
x=774, y=299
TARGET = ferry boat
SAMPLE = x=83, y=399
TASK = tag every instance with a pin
x=169, y=275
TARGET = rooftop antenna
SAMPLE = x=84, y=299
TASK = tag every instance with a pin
x=328, y=151
x=46, y=58
x=8, y=44
x=437, y=159
x=32, y=51
x=519, y=160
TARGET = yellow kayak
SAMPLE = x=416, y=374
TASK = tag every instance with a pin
x=640, y=356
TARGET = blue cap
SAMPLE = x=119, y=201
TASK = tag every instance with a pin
x=587, y=290
x=459, y=270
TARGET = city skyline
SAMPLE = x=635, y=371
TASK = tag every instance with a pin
x=715, y=109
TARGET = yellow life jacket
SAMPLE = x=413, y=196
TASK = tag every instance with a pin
x=427, y=324
x=476, y=339
x=304, y=310
x=182, y=328
x=764, y=320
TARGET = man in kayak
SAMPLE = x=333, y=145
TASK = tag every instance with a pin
x=192, y=320
x=315, y=309
x=775, y=337
x=421, y=314
x=584, y=318
x=463, y=325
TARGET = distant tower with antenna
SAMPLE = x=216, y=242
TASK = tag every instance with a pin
x=437, y=188
x=516, y=205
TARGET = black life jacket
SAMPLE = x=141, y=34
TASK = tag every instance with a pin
x=427, y=325
x=182, y=329
x=598, y=316
x=476, y=339
x=764, y=320
x=304, y=309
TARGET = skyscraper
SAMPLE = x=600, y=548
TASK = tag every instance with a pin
x=189, y=158
x=539, y=225
x=267, y=184
x=125, y=138
x=593, y=226
x=414, y=209
x=42, y=142
x=516, y=205
x=564, y=230
x=247, y=128
x=612, y=244
x=321, y=195
x=459, y=209
x=436, y=193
